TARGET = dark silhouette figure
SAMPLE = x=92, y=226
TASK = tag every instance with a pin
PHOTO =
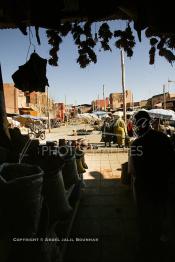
x=106, y=133
x=151, y=162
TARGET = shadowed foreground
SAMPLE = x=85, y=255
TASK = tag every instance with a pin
x=105, y=226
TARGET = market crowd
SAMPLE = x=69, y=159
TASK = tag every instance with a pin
x=116, y=131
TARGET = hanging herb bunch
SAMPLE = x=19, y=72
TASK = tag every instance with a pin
x=55, y=39
x=163, y=43
x=126, y=40
x=152, y=51
x=105, y=34
x=83, y=39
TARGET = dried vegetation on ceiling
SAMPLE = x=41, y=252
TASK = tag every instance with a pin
x=66, y=16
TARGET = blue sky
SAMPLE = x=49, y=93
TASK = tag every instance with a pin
x=83, y=85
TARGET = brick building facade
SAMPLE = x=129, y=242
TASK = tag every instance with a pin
x=34, y=103
x=159, y=99
x=116, y=100
x=60, y=111
x=100, y=104
x=11, y=99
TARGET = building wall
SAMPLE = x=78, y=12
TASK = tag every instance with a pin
x=11, y=101
x=159, y=99
x=172, y=96
x=170, y=104
x=100, y=104
x=143, y=103
x=116, y=100
x=21, y=99
x=38, y=101
x=15, y=99
x=60, y=111
x=151, y=103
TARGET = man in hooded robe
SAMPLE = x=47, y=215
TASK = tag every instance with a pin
x=120, y=131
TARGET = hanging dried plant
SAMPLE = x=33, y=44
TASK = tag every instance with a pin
x=125, y=41
x=128, y=33
x=171, y=43
x=83, y=60
x=118, y=33
x=85, y=41
x=153, y=41
x=170, y=57
x=161, y=43
x=105, y=34
x=152, y=52
x=129, y=52
x=86, y=53
x=65, y=28
x=54, y=57
x=37, y=35
x=149, y=32
x=55, y=40
x=87, y=29
x=105, y=46
x=77, y=31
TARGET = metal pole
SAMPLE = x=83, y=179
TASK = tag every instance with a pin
x=164, y=97
x=123, y=85
x=48, y=116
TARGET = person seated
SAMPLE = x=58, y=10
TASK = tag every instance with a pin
x=74, y=132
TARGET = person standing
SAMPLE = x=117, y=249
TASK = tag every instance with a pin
x=151, y=167
x=120, y=131
x=129, y=126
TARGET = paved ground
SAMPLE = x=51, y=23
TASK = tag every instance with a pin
x=66, y=133
x=106, y=217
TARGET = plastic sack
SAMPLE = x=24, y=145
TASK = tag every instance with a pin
x=70, y=172
x=55, y=196
x=21, y=198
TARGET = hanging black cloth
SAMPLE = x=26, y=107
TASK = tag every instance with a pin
x=32, y=75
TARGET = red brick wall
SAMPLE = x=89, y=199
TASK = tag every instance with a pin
x=101, y=103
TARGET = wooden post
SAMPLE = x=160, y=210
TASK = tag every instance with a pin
x=104, y=98
x=164, y=97
x=48, y=107
x=123, y=85
x=4, y=132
